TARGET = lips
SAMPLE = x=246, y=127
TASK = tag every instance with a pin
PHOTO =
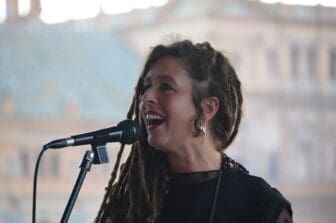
x=153, y=119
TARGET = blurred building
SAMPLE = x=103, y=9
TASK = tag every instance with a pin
x=73, y=77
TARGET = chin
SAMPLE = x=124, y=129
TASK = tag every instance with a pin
x=156, y=144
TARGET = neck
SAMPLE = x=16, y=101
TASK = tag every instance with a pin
x=195, y=158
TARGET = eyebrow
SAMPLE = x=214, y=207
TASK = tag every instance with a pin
x=160, y=77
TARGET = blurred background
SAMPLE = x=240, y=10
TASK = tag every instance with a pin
x=68, y=67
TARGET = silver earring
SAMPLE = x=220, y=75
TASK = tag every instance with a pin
x=203, y=130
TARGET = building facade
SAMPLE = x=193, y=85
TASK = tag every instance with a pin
x=284, y=55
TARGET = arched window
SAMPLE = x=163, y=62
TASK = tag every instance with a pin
x=332, y=63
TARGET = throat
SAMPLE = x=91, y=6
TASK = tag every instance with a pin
x=195, y=177
x=194, y=163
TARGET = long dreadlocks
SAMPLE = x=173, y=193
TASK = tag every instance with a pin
x=137, y=195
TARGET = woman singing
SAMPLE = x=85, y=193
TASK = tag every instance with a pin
x=188, y=103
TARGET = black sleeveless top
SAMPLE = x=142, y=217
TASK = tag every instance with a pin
x=240, y=197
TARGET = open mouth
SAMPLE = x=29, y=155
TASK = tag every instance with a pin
x=154, y=120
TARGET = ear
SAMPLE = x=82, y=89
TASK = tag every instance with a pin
x=210, y=107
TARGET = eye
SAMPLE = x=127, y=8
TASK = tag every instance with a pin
x=166, y=87
x=144, y=88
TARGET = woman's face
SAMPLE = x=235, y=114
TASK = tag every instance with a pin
x=166, y=105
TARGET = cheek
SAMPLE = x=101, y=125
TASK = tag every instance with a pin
x=185, y=111
x=141, y=109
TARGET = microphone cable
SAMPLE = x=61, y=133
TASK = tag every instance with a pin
x=35, y=182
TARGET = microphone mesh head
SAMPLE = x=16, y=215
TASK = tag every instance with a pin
x=130, y=131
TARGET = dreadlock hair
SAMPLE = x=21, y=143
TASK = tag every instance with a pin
x=136, y=197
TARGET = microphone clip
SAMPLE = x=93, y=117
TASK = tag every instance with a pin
x=100, y=154
x=99, y=151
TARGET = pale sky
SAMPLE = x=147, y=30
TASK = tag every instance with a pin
x=90, y=8
x=328, y=3
x=56, y=11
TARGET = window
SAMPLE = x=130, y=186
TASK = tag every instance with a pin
x=17, y=164
x=273, y=166
x=24, y=163
x=272, y=63
x=11, y=168
x=294, y=58
x=311, y=60
x=332, y=63
x=54, y=165
x=49, y=166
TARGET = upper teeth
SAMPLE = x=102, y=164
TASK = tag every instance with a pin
x=151, y=116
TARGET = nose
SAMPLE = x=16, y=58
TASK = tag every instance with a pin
x=148, y=96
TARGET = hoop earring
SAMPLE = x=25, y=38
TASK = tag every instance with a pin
x=202, y=130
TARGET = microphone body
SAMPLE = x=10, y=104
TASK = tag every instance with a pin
x=126, y=132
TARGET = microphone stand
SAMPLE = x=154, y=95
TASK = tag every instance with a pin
x=97, y=155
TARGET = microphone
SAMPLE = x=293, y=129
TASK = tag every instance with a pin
x=126, y=132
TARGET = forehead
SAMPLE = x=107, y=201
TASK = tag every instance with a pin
x=167, y=68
